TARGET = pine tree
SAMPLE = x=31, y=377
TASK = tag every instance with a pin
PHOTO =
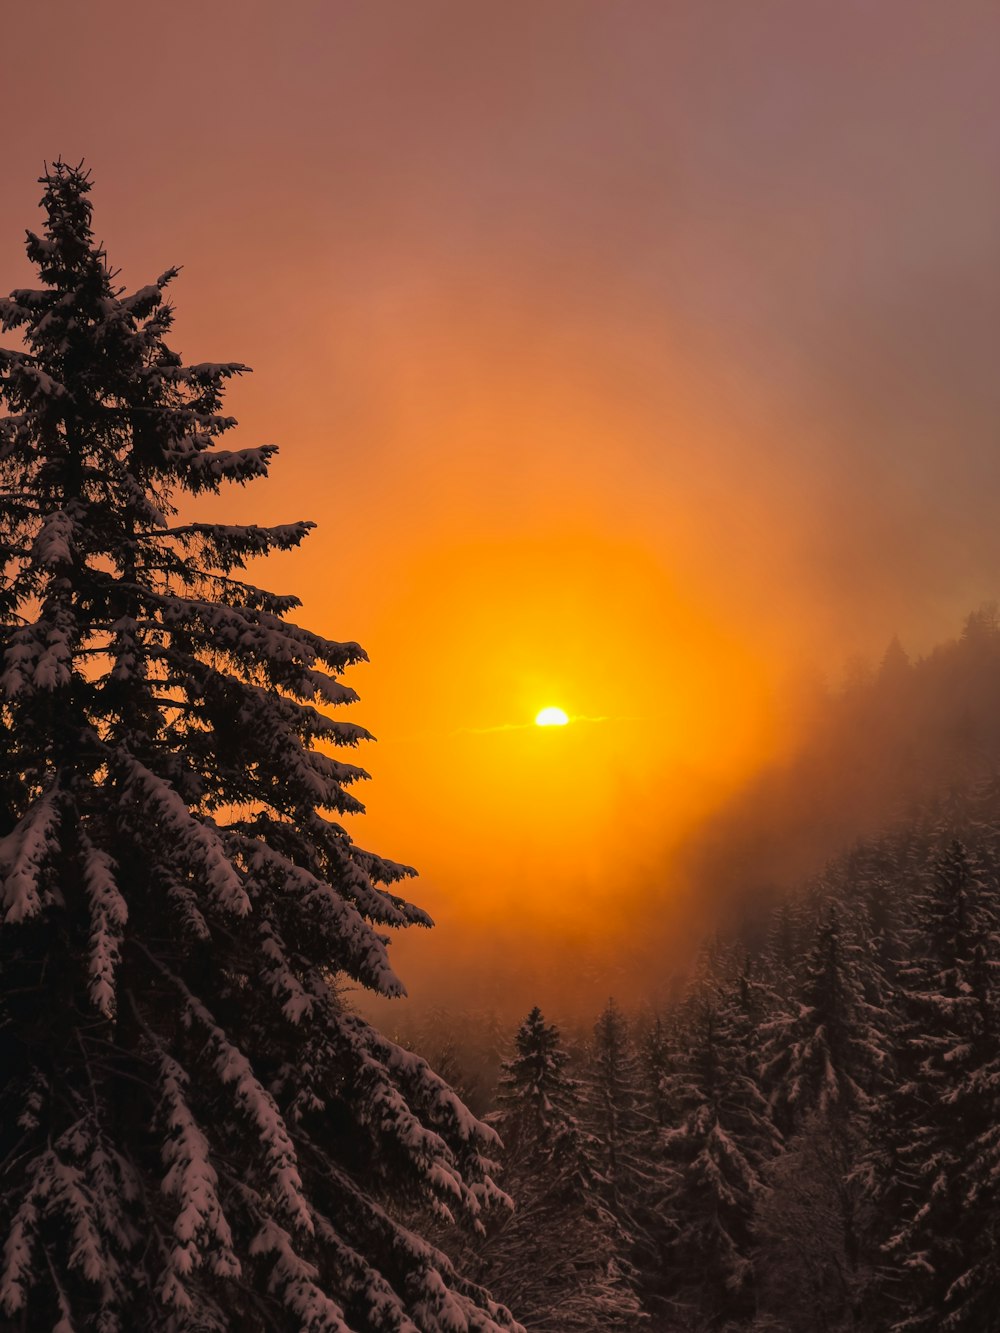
x=824, y=1054
x=895, y=665
x=781, y=949
x=615, y=1107
x=722, y=1141
x=538, y=1100
x=560, y=1259
x=195, y=1132
x=823, y=1060
x=629, y=1161
x=657, y=1065
x=932, y=1165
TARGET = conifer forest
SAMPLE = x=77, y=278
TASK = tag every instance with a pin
x=690, y=1022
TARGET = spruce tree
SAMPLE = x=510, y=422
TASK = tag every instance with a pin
x=538, y=1100
x=823, y=1059
x=657, y=1064
x=718, y=1149
x=622, y=1121
x=195, y=1132
x=560, y=1259
x=932, y=1164
x=825, y=1053
x=615, y=1109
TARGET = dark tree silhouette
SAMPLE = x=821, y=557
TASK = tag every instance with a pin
x=195, y=1132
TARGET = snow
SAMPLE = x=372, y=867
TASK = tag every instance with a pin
x=23, y=854
x=200, y=1227
x=325, y=910
x=16, y=1273
x=36, y=384
x=145, y=297
x=109, y=913
x=53, y=545
x=196, y=841
x=39, y=656
x=294, y=1280
x=207, y=469
x=298, y=1003
x=233, y=1067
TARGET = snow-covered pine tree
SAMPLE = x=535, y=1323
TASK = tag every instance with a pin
x=934, y=1154
x=826, y=1051
x=622, y=1120
x=656, y=1061
x=781, y=951
x=615, y=1102
x=717, y=1149
x=537, y=1098
x=195, y=1133
x=822, y=1060
x=560, y=1259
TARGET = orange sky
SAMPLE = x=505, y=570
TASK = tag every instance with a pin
x=629, y=357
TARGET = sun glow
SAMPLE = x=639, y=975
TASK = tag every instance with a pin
x=551, y=717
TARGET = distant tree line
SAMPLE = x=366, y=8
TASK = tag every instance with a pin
x=893, y=742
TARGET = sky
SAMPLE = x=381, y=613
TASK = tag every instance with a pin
x=633, y=358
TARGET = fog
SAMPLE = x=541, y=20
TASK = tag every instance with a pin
x=636, y=359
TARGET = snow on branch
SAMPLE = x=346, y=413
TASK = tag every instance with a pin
x=108, y=915
x=199, y=844
x=293, y=1280
x=204, y=373
x=280, y=977
x=55, y=1189
x=382, y=1302
x=205, y=470
x=439, y=1307
x=23, y=856
x=200, y=1228
x=260, y=704
x=229, y=546
x=54, y=544
x=39, y=656
x=444, y=1104
x=31, y=384
x=359, y=873
x=340, y=922
x=18, y=1256
x=257, y=636
x=184, y=896
x=233, y=1067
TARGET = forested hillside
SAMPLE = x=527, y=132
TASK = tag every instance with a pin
x=807, y=1139
x=895, y=741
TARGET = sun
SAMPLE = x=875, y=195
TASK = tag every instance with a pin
x=551, y=717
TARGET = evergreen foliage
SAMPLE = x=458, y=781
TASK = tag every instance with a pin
x=615, y=1107
x=825, y=1052
x=537, y=1100
x=807, y=1141
x=561, y=1259
x=933, y=1159
x=195, y=1132
x=621, y=1118
x=723, y=1137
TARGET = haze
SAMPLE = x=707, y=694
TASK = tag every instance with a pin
x=630, y=358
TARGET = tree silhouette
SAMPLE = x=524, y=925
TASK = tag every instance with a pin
x=195, y=1132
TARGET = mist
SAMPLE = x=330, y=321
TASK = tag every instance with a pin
x=633, y=360
x=638, y=361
